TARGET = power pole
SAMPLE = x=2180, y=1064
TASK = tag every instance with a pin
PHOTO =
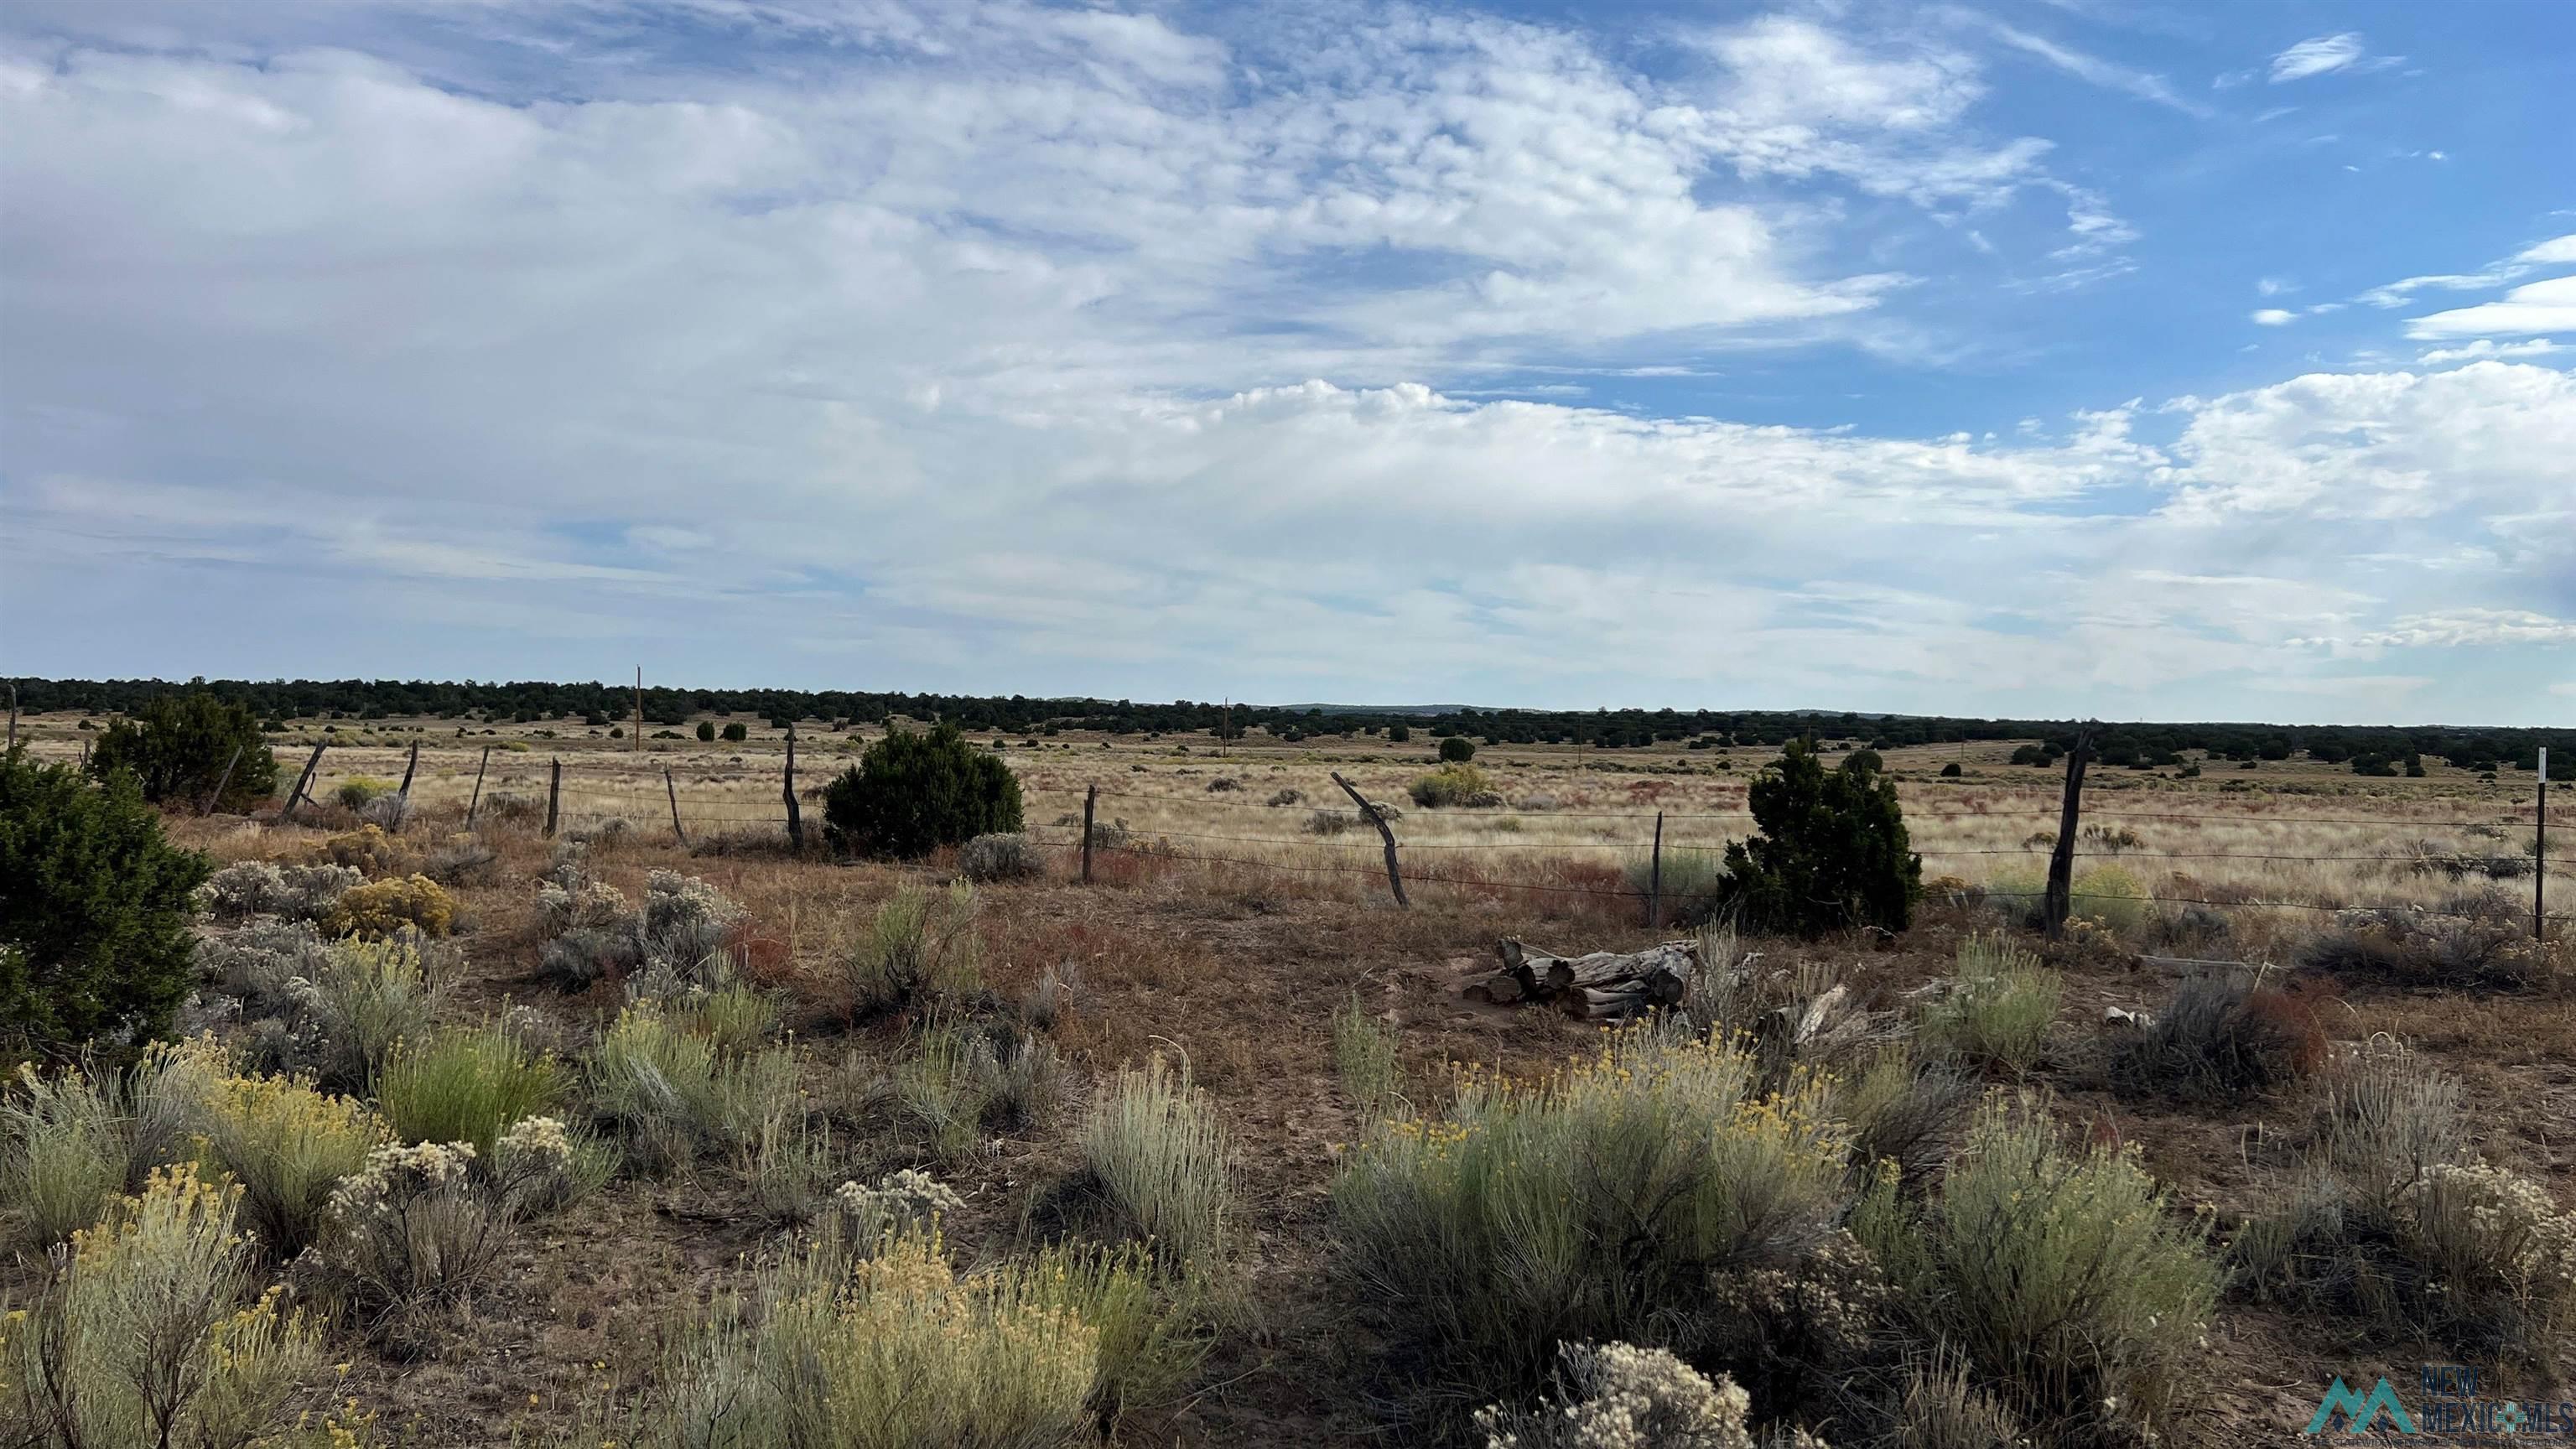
x=639, y=709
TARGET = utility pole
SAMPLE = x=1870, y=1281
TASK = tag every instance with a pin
x=639, y=709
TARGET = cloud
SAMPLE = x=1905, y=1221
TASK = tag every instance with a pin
x=2325, y=54
x=2274, y=317
x=2487, y=348
x=2548, y=306
x=2454, y=628
x=2554, y=252
x=2092, y=68
x=1054, y=351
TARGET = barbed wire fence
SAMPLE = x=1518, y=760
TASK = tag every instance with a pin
x=1645, y=839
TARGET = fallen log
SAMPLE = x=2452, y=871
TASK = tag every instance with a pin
x=1595, y=986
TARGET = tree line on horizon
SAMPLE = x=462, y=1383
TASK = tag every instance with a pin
x=2141, y=745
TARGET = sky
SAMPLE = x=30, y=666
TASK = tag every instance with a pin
x=2025, y=358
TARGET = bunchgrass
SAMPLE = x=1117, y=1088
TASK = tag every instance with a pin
x=62, y=1154
x=1479, y=1239
x=1996, y=1014
x=1364, y=1052
x=465, y=1084
x=920, y=945
x=1153, y=1142
x=2060, y=1273
x=672, y=1098
x=894, y=1348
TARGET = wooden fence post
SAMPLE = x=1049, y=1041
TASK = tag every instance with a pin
x=674, y=792
x=2061, y=861
x=1090, y=800
x=221, y=781
x=1655, y=879
x=554, y=794
x=2540, y=852
x=302, y=782
x=795, y=816
x=411, y=767
x=1394, y=880
x=477, y=802
x=13, y=714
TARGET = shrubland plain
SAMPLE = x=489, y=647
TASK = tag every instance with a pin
x=635, y=1135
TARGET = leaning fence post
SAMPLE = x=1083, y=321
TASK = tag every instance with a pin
x=410, y=768
x=674, y=792
x=795, y=816
x=312, y=762
x=2540, y=852
x=1090, y=800
x=554, y=794
x=1394, y=879
x=221, y=781
x=2061, y=860
x=476, y=803
x=1655, y=878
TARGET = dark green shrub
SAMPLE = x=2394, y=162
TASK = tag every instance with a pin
x=1398, y=734
x=177, y=745
x=706, y=731
x=1832, y=851
x=1865, y=761
x=737, y=732
x=911, y=793
x=1951, y=771
x=1457, y=750
x=94, y=908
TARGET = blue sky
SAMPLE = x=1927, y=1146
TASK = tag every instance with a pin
x=2034, y=357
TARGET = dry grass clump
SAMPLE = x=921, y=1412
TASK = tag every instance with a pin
x=2221, y=1038
x=673, y=1097
x=2474, y=940
x=1162, y=1161
x=919, y=946
x=380, y=908
x=1483, y=1239
x=957, y=1082
x=1996, y=1011
x=368, y=996
x=1904, y=1109
x=1942, y=1409
x=2394, y=1225
x=1364, y=1053
x=2058, y=1273
x=894, y=1348
x=151, y=1331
